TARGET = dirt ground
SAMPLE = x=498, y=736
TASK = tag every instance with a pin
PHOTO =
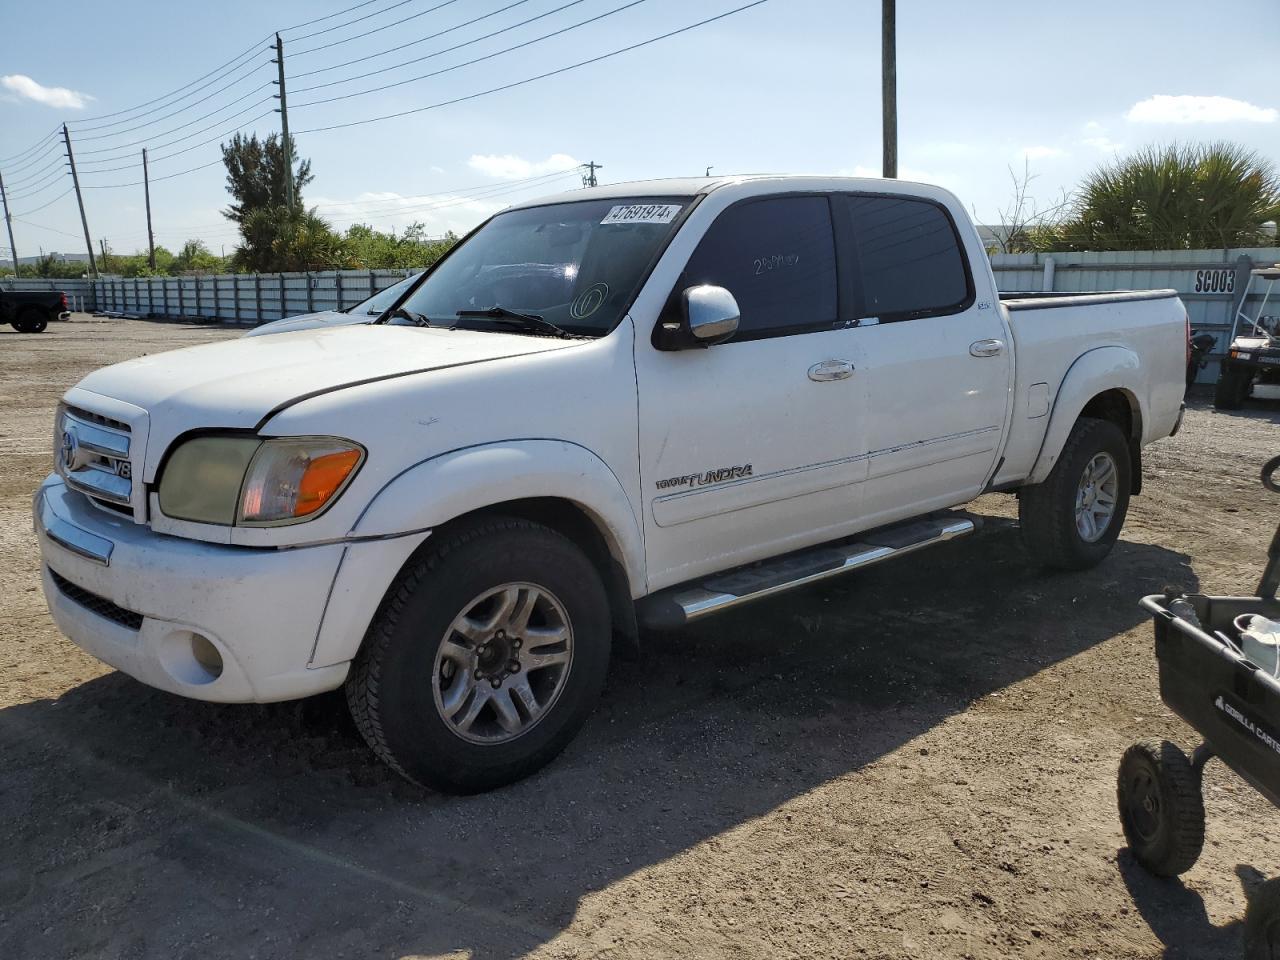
x=917, y=761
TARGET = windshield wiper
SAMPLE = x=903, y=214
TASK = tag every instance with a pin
x=530, y=321
x=417, y=319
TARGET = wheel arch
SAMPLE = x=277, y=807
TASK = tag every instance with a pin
x=561, y=485
x=1105, y=383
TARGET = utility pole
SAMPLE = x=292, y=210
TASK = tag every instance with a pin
x=589, y=178
x=889, y=86
x=146, y=187
x=9, y=223
x=84, y=221
x=106, y=264
x=284, y=127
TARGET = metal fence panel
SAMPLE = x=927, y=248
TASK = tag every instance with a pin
x=1210, y=282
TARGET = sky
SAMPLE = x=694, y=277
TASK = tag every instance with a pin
x=787, y=86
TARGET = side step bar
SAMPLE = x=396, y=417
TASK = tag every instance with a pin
x=686, y=603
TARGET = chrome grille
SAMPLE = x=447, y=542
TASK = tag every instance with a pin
x=93, y=456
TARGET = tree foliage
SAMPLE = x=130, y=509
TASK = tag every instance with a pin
x=256, y=174
x=1177, y=197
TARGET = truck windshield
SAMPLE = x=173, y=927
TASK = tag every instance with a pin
x=576, y=264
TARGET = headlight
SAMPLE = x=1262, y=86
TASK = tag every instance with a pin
x=244, y=480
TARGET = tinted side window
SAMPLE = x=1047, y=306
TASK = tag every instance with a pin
x=777, y=257
x=910, y=259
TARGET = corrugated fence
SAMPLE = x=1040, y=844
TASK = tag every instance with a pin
x=1212, y=283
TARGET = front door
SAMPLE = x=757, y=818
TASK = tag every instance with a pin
x=754, y=446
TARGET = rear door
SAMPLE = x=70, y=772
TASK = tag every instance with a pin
x=754, y=446
x=935, y=357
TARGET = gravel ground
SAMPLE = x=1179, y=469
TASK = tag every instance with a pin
x=918, y=761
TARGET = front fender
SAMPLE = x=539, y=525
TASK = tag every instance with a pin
x=1094, y=372
x=451, y=484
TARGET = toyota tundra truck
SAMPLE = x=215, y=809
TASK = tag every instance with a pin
x=620, y=407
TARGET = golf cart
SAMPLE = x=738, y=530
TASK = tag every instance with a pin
x=1252, y=363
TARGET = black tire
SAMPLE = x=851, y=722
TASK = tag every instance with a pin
x=1047, y=511
x=394, y=682
x=30, y=320
x=1161, y=809
x=1262, y=923
x=1232, y=388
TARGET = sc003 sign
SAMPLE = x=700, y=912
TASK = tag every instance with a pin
x=1216, y=281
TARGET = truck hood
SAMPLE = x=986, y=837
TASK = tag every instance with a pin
x=309, y=321
x=237, y=383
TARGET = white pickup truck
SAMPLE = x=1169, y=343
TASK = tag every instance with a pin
x=629, y=405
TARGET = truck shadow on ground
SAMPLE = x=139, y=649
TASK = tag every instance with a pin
x=271, y=831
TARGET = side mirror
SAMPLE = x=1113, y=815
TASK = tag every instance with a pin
x=708, y=315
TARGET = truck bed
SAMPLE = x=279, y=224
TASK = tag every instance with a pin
x=1054, y=331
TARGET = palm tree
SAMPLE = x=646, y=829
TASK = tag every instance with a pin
x=1177, y=197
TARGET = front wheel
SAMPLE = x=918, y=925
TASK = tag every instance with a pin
x=1072, y=519
x=1232, y=388
x=1161, y=809
x=485, y=659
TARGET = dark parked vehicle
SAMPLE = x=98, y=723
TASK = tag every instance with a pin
x=29, y=311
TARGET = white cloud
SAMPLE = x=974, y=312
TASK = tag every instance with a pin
x=508, y=166
x=60, y=97
x=1163, y=108
x=1040, y=152
x=1103, y=143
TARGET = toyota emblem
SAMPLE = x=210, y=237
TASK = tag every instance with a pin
x=70, y=448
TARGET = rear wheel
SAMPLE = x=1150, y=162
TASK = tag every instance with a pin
x=1232, y=388
x=1161, y=810
x=30, y=320
x=485, y=659
x=1072, y=519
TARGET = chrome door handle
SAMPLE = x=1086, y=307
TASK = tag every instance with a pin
x=986, y=348
x=831, y=370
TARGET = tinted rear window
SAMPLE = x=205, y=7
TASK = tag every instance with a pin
x=909, y=257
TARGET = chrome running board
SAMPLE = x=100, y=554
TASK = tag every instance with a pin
x=688, y=602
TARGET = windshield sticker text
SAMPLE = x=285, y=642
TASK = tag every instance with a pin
x=642, y=213
x=706, y=478
x=589, y=301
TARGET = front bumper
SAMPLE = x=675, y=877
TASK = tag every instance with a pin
x=141, y=601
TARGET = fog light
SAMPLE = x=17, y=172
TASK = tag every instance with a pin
x=206, y=655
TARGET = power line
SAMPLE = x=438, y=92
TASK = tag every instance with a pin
x=51, y=152
x=459, y=46
x=41, y=226
x=541, y=76
x=54, y=167
x=150, y=141
x=233, y=61
x=457, y=66
x=330, y=16
x=195, y=133
x=39, y=143
x=33, y=191
x=181, y=110
x=27, y=213
x=138, y=183
x=430, y=36
x=368, y=16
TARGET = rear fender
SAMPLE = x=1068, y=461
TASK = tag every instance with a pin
x=1093, y=373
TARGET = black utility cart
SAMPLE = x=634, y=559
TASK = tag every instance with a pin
x=1234, y=705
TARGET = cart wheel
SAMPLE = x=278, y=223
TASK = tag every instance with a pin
x=1262, y=923
x=1161, y=810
